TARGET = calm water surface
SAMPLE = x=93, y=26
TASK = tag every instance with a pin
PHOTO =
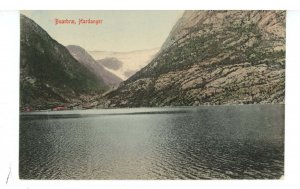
x=215, y=142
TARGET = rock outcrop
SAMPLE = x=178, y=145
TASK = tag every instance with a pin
x=212, y=58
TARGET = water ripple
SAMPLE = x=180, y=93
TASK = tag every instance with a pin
x=243, y=142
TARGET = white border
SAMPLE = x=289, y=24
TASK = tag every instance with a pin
x=9, y=99
x=9, y=84
x=150, y=5
x=292, y=123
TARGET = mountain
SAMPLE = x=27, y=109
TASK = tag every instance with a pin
x=87, y=60
x=111, y=63
x=124, y=64
x=212, y=58
x=49, y=75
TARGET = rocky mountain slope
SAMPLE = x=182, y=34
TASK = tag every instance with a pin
x=128, y=63
x=212, y=58
x=87, y=60
x=49, y=75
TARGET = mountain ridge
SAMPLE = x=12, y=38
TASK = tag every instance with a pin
x=49, y=75
x=88, y=61
x=212, y=58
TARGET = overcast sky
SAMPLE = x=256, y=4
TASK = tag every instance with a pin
x=120, y=30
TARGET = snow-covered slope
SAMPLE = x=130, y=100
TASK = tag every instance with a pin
x=124, y=64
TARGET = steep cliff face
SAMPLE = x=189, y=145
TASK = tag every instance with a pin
x=213, y=57
x=49, y=75
x=87, y=60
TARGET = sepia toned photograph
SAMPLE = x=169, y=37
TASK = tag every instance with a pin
x=152, y=95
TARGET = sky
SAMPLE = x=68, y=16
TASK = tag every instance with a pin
x=120, y=31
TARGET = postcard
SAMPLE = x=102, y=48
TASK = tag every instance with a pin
x=152, y=95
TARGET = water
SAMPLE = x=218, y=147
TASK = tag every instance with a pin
x=216, y=142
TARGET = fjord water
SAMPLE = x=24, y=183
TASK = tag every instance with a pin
x=208, y=142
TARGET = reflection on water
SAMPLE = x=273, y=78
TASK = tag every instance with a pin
x=222, y=142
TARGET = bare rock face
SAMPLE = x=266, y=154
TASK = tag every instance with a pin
x=212, y=58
